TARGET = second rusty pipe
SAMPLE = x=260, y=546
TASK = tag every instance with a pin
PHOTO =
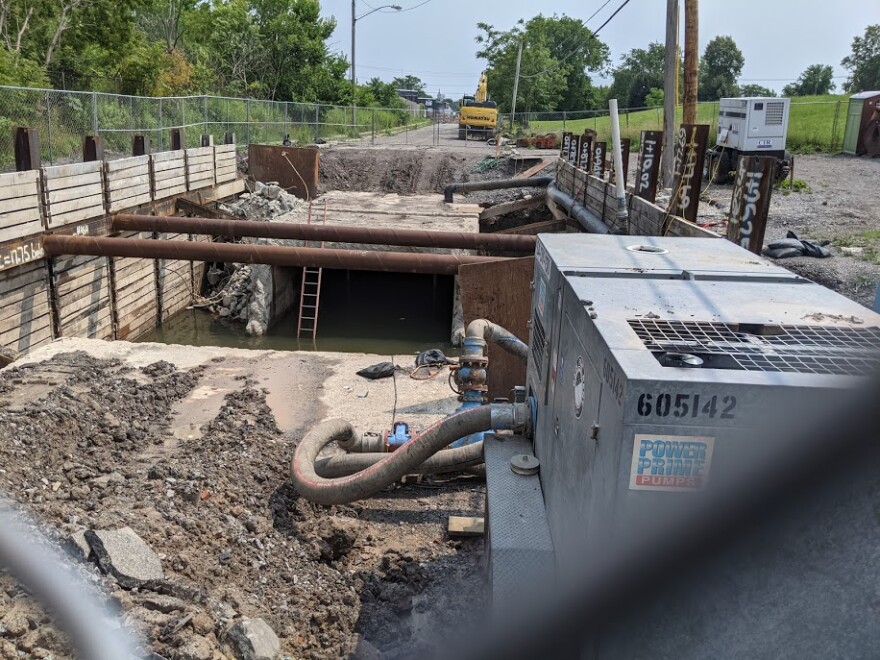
x=274, y=255
x=283, y=230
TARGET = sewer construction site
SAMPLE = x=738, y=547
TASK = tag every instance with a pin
x=161, y=473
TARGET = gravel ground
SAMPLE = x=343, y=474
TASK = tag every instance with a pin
x=192, y=452
x=842, y=205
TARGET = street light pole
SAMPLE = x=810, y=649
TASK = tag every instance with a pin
x=354, y=19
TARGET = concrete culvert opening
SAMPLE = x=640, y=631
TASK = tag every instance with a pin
x=363, y=310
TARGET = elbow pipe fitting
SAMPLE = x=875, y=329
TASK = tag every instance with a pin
x=391, y=467
x=484, y=329
x=498, y=184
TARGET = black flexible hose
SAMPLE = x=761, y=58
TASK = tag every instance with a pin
x=446, y=460
x=392, y=466
x=589, y=221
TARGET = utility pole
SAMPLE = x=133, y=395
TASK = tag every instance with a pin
x=353, y=81
x=670, y=94
x=691, y=60
x=516, y=85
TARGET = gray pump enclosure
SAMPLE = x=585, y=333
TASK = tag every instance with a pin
x=653, y=360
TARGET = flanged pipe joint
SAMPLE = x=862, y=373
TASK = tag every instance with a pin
x=470, y=377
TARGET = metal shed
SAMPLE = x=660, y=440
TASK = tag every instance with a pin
x=862, y=134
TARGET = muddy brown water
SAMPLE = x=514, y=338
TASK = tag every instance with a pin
x=377, y=335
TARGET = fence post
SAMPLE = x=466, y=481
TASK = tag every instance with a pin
x=205, y=100
x=161, y=127
x=94, y=113
x=248, y=120
x=373, y=139
x=49, y=127
x=564, y=119
x=834, y=128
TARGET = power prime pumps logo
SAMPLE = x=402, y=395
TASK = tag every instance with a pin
x=670, y=462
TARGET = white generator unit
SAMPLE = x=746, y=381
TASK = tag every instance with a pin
x=652, y=362
x=748, y=127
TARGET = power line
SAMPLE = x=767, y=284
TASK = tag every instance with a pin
x=594, y=33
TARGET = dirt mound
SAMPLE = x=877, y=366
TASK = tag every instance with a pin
x=400, y=171
x=85, y=444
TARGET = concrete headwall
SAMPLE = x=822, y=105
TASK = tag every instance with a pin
x=99, y=297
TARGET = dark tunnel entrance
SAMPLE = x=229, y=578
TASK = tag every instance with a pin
x=387, y=310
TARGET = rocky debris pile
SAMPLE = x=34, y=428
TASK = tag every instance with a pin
x=241, y=293
x=202, y=547
x=266, y=202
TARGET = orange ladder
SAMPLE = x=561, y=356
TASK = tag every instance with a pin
x=310, y=293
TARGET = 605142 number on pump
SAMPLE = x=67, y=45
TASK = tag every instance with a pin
x=687, y=405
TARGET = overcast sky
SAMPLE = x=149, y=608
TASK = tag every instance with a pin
x=779, y=38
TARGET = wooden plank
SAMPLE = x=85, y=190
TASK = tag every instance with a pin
x=196, y=168
x=130, y=202
x=139, y=179
x=508, y=305
x=84, y=308
x=62, y=183
x=168, y=165
x=546, y=227
x=161, y=156
x=26, y=178
x=24, y=343
x=24, y=311
x=532, y=171
x=169, y=175
x=87, y=202
x=9, y=218
x=175, y=189
x=512, y=207
x=131, y=191
x=22, y=230
x=199, y=151
x=97, y=326
x=67, y=194
x=95, y=291
x=19, y=190
x=466, y=526
x=126, y=163
x=73, y=169
x=224, y=148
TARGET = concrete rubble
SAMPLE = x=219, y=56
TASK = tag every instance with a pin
x=126, y=556
x=242, y=293
x=253, y=639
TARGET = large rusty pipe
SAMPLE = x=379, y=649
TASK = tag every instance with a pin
x=316, y=232
x=274, y=255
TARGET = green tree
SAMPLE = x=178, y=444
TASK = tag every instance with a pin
x=384, y=94
x=655, y=98
x=640, y=71
x=559, y=53
x=864, y=62
x=756, y=90
x=410, y=82
x=815, y=80
x=720, y=67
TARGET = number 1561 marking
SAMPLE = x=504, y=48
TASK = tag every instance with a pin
x=686, y=405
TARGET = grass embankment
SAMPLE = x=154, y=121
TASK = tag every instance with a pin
x=811, y=126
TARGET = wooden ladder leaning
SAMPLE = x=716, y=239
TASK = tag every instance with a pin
x=310, y=293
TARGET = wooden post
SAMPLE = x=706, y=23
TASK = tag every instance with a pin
x=670, y=93
x=140, y=145
x=93, y=148
x=207, y=140
x=649, y=165
x=176, y=139
x=750, y=203
x=27, y=148
x=229, y=138
x=691, y=60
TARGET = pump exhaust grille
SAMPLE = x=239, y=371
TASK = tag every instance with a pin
x=807, y=349
x=775, y=113
x=539, y=344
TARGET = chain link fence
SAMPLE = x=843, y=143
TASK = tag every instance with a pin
x=813, y=127
x=63, y=118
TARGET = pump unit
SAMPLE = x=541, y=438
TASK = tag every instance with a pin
x=652, y=362
x=747, y=127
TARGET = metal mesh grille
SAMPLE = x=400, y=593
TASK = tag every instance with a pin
x=812, y=349
x=775, y=113
x=539, y=343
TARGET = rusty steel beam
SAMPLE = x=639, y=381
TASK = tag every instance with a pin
x=315, y=232
x=274, y=255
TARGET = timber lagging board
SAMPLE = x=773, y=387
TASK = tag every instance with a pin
x=128, y=183
x=174, y=281
x=82, y=297
x=134, y=284
x=21, y=211
x=26, y=317
x=73, y=193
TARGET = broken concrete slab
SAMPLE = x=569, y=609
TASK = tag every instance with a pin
x=126, y=556
x=253, y=639
x=78, y=545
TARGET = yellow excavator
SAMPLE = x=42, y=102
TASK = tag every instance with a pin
x=477, y=114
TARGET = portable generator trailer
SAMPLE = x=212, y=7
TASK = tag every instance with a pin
x=749, y=127
x=653, y=362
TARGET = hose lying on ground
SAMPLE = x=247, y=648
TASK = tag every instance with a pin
x=445, y=460
x=391, y=467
